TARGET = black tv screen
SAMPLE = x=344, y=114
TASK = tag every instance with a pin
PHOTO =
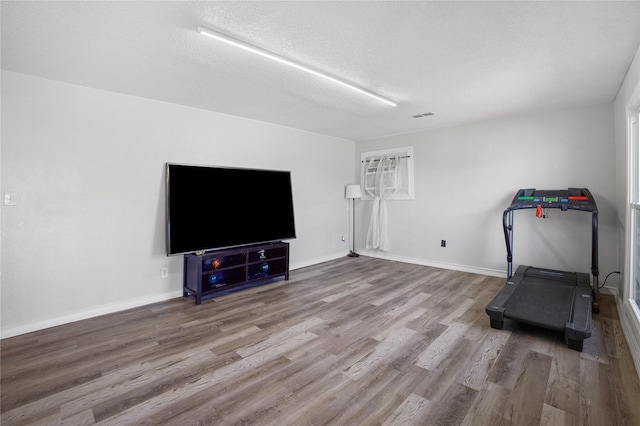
x=218, y=207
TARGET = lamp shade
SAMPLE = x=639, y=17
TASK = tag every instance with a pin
x=353, y=191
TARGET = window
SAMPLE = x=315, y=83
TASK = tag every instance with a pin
x=397, y=172
x=629, y=301
x=636, y=257
x=634, y=190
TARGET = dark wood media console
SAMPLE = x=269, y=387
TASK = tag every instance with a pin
x=220, y=272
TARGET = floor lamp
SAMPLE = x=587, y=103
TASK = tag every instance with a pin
x=352, y=192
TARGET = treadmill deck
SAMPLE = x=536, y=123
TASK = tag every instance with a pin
x=551, y=299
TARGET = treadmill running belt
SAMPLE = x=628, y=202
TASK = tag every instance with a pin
x=541, y=302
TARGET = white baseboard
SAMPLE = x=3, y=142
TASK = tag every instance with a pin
x=317, y=260
x=121, y=306
x=629, y=314
x=435, y=264
x=90, y=313
x=613, y=291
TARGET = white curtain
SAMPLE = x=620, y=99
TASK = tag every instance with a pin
x=381, y=181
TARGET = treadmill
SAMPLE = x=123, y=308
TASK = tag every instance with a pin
x=552, y=299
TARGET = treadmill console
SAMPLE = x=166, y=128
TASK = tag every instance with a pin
x=564, y=199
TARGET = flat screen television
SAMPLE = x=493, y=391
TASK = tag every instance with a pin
x=212, y=208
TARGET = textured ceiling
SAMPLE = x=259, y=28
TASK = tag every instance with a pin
x=464, y=61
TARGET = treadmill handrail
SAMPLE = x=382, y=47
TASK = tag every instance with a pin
x=508, y=230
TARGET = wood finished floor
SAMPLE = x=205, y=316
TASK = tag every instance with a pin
x=349, y=342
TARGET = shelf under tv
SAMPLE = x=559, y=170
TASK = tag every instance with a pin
x=214, y=273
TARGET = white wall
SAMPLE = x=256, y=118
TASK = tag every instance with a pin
x=465, y=176
x=87, y=234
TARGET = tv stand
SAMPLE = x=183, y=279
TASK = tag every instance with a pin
x=214, y=273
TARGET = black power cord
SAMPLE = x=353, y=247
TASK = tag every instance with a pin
x=605, y=278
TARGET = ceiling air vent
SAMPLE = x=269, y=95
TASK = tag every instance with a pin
x=426, y=114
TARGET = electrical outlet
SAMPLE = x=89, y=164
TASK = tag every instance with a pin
x=164, y=273
x=443, y=243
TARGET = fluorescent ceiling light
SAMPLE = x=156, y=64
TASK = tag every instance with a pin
x=274, y=56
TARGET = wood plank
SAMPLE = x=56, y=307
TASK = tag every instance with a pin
x=351, y=341
x=488, y=408
x=555, y=416
x=376, y=400
x=524, y=405
x=510, y=362
x=476, y=371
x=563, y=388
x=410, y=412
x=451, y=408
x=382, y=353
x=598, y=404
x=441, y=347
x=595, y=347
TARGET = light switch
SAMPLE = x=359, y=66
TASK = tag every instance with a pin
x=10, y=198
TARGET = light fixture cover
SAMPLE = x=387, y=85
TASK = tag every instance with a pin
x=353, y=191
